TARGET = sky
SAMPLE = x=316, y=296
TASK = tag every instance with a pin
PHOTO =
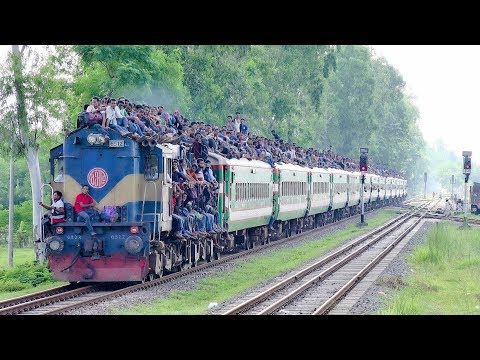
x=444, y=81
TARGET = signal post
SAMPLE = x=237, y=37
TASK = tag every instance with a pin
x=363, y=170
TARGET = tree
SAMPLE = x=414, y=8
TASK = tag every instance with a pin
x=30, y=95
x=8, y=148
x=143, y=73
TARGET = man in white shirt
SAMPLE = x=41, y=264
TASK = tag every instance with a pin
x=57, y=211
x=448, y=208
x=111, y=114
x=237, y=122
x=57, y=208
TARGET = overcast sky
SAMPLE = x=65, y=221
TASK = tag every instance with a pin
x=445, y=82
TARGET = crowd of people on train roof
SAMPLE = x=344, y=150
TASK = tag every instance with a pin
x=233, y=140
x=195, y=188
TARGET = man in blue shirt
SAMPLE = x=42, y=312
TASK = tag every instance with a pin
x=208, y=172
x=243, y=127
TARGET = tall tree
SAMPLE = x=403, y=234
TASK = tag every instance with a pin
x=30, y=93
x=348, y=101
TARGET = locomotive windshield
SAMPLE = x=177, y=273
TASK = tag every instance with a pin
x=151, y=167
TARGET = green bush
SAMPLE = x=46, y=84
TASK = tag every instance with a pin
x=28, y=274
x=12, y=285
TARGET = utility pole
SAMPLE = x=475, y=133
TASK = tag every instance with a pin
x=363, y=170
x=11, y=208
x=453, y=181
x=467, y=169
x=425, y=188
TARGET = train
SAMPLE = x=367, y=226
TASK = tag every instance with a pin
x=256, y=203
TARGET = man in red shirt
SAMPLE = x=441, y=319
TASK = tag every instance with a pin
x=85, y=208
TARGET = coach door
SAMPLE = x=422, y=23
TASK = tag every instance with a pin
x=167, y=192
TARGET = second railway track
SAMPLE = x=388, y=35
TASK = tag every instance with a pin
x=330, y=278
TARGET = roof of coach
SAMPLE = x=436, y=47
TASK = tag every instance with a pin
x=291, y=167
x=247, y=163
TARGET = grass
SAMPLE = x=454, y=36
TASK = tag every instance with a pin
x=247, y=274
x=4, y=295
x=469, y=216
x=26, y=276
x=445, y=277
x=20, y=256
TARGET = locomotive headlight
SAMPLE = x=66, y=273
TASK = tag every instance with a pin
x=55, y=244
x=101, y=139
x=92, y=139
x=133, y=244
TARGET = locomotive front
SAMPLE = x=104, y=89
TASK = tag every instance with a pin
x=118, y=173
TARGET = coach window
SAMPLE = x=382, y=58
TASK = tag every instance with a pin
x=151, y=168
x=58, y=173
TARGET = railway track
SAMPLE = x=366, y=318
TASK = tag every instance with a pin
x=432, y=215
x=64, y=299
x=318, y=287
x=36, y=296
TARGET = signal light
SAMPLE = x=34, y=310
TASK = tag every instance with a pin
x=467, y=163
x=363, y=162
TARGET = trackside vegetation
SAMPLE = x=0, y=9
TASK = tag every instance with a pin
x=445, y=277
x=26, y=277
x=233, y=282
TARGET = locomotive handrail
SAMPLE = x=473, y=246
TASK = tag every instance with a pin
x=51, y=190
x=41, y=212
x=155, y=208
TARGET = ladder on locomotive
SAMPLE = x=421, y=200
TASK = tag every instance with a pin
x=155, y=214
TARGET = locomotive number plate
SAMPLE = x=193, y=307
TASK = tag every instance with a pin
x=116, y=143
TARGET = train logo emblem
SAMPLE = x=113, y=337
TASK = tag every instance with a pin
x=97, y=178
